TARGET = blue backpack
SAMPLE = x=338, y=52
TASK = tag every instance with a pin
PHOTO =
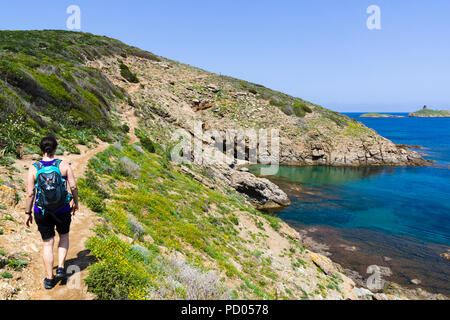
x=51, y=187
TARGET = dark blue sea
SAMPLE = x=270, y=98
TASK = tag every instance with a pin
x=394, y=217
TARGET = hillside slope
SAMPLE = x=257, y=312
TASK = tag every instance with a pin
x=167, y=231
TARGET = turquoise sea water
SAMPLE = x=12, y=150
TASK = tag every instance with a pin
x=400, y=213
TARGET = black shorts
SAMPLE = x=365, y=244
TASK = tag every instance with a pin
x=46, y=223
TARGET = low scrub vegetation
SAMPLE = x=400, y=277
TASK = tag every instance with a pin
x=167, y=209
x=127, y=74
x=46, y=89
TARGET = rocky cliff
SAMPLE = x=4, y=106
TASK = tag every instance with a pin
x=310, y=134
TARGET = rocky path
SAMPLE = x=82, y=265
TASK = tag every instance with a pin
x=19, y=240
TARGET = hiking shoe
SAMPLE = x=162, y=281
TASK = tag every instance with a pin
x=60, y=273
x=49, y=283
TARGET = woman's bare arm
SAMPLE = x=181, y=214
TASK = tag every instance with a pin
x=73, y=187
x=31, y=180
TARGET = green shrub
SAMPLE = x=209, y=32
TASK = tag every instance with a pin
x=300, y=108
x=13, y=131
x=96, y=204
x=148, y=144
x=234, y=220
x=31, y=149
x=108, y=282
x=125, y=128
x=275, y=101
x=7, y=275
x=127, y=74
x=70, y=146
x=288, y=110
x=274, y=222
x=92, y=182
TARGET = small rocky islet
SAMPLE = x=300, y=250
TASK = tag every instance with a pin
x=430, y=113
x=379, y=115
x=423, y=113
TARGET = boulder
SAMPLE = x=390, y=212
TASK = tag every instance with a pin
x=213, y=88
x=125, y=238
x=290, y=232
x=362, y=292
x=260, y=191
x=325, y=264
x=198, y=177
x=346, y=288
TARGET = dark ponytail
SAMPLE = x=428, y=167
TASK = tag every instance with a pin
x=48, y=145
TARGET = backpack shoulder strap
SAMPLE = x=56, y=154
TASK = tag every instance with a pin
x=38, y=165
x=57, y=162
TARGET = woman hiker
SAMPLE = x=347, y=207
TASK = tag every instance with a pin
x=47, y=189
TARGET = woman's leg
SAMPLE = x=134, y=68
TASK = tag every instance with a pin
x=48, y=257
x=63, y=247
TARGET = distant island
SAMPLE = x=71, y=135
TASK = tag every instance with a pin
x=429, y=113
x=425, y=112
x=379, y=115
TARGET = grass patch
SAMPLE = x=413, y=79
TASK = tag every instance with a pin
x=16, y=264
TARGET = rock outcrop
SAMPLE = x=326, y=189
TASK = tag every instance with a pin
x=346, y=152
x=263, y=193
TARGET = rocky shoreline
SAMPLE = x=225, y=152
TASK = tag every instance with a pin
x=335, y=244
x=390, y=289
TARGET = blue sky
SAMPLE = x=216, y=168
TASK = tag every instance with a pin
x=319, y=50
